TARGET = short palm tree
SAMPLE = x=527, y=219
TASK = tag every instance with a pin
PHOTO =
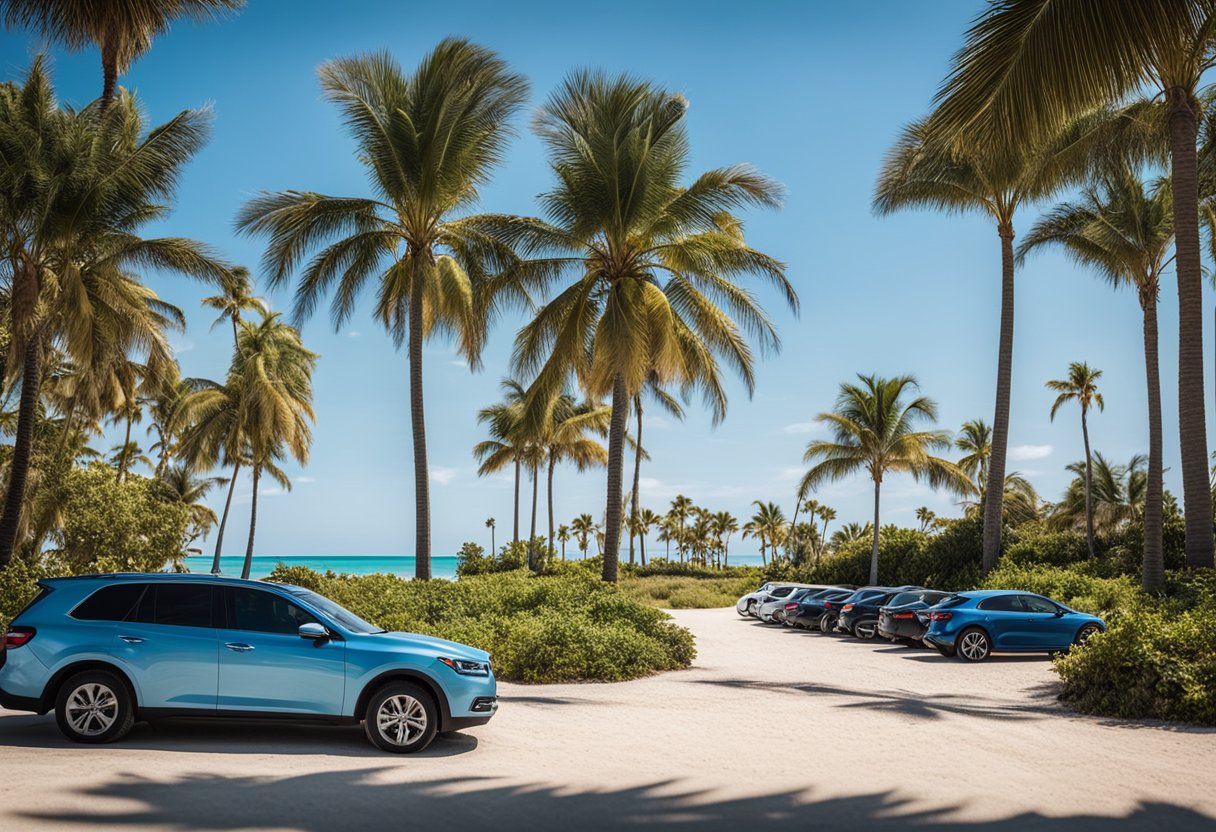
x=1117, y=495
x=767, y=525
x=851, y=533
x=506, y=446
x=583, y=528
x=179, y=483
x=974, y=440
x=490, y=524
x=429, y=140
x=122, y=29
x=725, y=525
x=926, y=516
x=1022, y=73
x=827, y=514
x=681, y=508
x=1021, y=503
x=563, y=537
x=647, y=520
x=655, y=265
x=874, y=430
x=77, y=188
x=568, y=436
x=1081, y=387
x=1125, y=230
x=236, y=299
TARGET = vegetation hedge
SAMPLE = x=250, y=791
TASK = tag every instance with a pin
x=539, y=628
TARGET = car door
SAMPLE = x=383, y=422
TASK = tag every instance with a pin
x=1005, y=620
x=1047, y=629
x=169, y=645
x=266, y=666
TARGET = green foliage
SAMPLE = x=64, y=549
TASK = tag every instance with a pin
x=117, y=527
x=546, y=628
x=675, y=592
x=1107, y=597
x=472, y=559
x=18, y=584
x=689, y=569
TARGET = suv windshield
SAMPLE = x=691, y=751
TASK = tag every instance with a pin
x=337, y=612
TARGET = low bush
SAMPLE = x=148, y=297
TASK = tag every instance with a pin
x=685, y=569
x=18, y=584
x=1107, y=597
x=674, y=592
x=539, y=628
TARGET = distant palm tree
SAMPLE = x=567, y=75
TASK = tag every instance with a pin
x=874, y=431
x=563, y=536
x=647, y=520
x=1023, y=70
x=926, y=517
x=975, y=441
x=767, y=525
x=681, y=508
x=490, y=524
x=1118, y=493
x=1081, y=387
x=827, y=514
x=428, y=140
x=584, y=529
x=237, y=298
x=1125, y=231
x=851, y=533
x=654, y=263
x=179, y=483
x=673, y=408
x=567, y=436
x=122, y=29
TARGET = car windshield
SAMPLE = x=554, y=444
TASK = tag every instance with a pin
x=338, y=613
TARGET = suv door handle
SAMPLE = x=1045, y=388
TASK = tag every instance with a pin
x=238, y=647
x=131, y=639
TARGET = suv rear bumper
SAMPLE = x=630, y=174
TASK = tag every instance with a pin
x=12, y=702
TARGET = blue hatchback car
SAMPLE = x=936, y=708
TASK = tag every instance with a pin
x=105, y=650
x=974, y=625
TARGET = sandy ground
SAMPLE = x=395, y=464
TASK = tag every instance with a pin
x=770, y=727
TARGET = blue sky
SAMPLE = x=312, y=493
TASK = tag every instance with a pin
x=811, y=93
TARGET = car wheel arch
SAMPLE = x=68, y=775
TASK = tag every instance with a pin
x=980, y=628
x=405, y=675
x=51, y=691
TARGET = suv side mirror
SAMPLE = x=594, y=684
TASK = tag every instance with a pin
x=313, y=630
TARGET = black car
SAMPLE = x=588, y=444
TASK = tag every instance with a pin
x=808, y=610
x=831, y=609
x=898, y=620
x=859, y=615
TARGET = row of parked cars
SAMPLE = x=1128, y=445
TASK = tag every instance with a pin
x=970, y=625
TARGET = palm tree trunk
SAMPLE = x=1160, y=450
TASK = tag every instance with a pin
x=109, y=69
x=637, y=472
x=493, y=548
x=995, y=492
x=793, y=524
x=515, y=532
x=422, y=481
x=219, y=535
x=1153, y=577
x=126, y=449
x=823, y=542
x=874, y=549
x=612, y=512
x=23, y=445
x=549, y=495
x=532, y=533
x=1089, y=487
x=643, y=536
x=253, y=523
x=1196, y=487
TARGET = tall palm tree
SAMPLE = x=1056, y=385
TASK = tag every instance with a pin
x=236, y=299
x=429, y=141
x=827, y=514
x=122, y=29
x=583, y=528
x=1022, y=72
x=874, y=430
x=567, y=436
x=1125, y=230
x=926, y=170
x=214, y=437
x=563, y=537
x=490, y=524
x=506, y=445
x=273, y=379
x=975, y=441
x=654, y=264
x=681, y=508
x=767, y=525
x=647, y=520
x=77, y=189
x=1081, y=387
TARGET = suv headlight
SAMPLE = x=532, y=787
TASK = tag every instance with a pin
x=466, y=667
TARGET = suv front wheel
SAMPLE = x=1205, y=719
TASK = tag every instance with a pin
x=94, y=707
x=402, y=718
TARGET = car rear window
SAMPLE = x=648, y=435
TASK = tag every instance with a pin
x=904, y=598
x=110, y=603
x=178, y=605
x=1001, y=603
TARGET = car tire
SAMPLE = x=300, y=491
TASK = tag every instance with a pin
x=865, y=632
x=751, y=609
x=94, y=706
x=1084, y=634
x=746, y=611
x=402, y=718
x=826, y=623
x=973, y=645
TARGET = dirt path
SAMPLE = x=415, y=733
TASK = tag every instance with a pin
x=769, y=726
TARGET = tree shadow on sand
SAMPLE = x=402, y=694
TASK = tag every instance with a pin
x=361, y=799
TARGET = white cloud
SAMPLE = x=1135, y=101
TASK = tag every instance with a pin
x=649, y=487
x=790, y=474
x=657, y=423
x=443, y=475
x=180, y=345
x=1020, y=452
x=802, y=427
x=459, y=362
x=354, y=333
x=304, y=479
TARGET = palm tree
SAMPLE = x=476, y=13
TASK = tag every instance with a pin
x=767, y=525
x=925, y=170
x=566, y=437
x=490, y=525
x=506, y=445
x=1021, y=74
x=429, y=140
x=827, y=515
x=563, y=536
x=122, y=29
x=179, y=483
x=926, y=517
x=1125, y=231
x=584, y=528
x=77, y=188
x=214, y=437
x=1117, y=494
x=851, y=533
x=874, y=431
x=651, y=260
x=1021, y=503
x=236, y=299
x=273, y=380
x=647, y=520
x=668, y=403
x=681, y=507
x=1081, y=387
x=975, y=442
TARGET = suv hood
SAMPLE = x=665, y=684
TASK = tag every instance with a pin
x=431, y=646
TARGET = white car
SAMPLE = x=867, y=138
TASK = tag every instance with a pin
x=771, y=608
x=748, y=604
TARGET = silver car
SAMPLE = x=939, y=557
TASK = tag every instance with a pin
x=746, y=605
x=771, y=608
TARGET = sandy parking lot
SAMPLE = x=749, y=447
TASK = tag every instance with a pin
x=770, y=726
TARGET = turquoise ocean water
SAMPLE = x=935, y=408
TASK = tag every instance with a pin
x=441, y=567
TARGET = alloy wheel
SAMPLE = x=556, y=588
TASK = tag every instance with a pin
x=92, y=709
x=973, y=646
x=1087, y=632
x=401, y=719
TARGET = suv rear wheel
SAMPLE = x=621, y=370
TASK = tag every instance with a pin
x=94, y=707
x=402, y=718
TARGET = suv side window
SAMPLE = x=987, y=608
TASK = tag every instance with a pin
x=265, y=612
x=176, y=604
x=1001, y=603
x=110, y=603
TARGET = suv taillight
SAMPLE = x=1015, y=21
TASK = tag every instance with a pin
x=17, y=636
x=940, y=616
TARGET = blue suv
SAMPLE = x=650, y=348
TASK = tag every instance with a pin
x=105, y=650
x=973, y=625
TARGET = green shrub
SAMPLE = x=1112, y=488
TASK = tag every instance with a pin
x=675, y=592
x=1107, y=597
x=1035, y=544
x=539, y=628
x=18, y=584
x=1149, y=664
x=675, y=568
